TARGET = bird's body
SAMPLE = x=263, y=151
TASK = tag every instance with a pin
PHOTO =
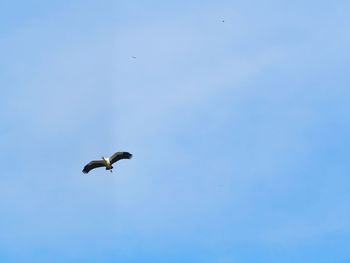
x=106, y=161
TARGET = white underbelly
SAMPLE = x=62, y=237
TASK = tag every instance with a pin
x=107, y=162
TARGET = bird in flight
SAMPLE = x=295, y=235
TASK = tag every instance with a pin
x=106, y=161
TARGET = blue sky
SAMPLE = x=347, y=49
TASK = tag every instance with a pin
x=239, y=131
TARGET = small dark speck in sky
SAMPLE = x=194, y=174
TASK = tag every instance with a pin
x=133, y=57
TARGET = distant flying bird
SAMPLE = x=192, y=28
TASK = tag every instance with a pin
x=106, y=161
x=133, y=57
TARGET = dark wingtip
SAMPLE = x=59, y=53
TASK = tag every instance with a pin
x=130, y=155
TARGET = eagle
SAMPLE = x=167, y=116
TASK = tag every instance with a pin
x=106, y=161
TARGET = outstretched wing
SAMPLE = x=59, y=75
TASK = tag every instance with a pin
x=92, y=165
x=119, y=155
